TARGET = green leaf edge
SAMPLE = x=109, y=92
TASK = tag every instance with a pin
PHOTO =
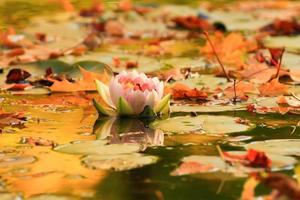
x=124, y=108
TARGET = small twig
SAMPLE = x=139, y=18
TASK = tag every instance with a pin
x=279, y=64
x=294, y=129
x=221, y=153
x=295, y=96
x=234, y=89
x=215, y=53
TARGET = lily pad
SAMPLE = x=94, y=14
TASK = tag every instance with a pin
x=66, y=32
x=216, y=163
x=280, y=146
x=118, y=162
x=146, y=64
x=290, y=43
x=206, y=108
x=14, y=160
x=238, y=20
x=202, y=124
x=97, y=147
x=205, y=81
x=51, y=197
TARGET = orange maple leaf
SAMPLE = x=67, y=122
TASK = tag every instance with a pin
x=273, y=88
x=241, y=90
x=182, y=91
x=125, y=5
x=87, y=83
x=260, y=72
x=231, y=48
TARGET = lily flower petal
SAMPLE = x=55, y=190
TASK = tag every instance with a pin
x=103, y=91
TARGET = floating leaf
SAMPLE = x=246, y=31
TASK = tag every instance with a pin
x=11, y=160
x=216, y=163
x=118, y=162
x=207, y=108
x=202, y=124
x=97, y=147
x=279, y=147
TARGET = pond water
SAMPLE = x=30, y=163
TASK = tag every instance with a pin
x=66, y=172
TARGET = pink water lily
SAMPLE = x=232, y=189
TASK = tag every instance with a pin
x=130, y=92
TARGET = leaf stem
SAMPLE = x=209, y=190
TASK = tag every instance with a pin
x=215, y=53
x=234, y=89
x=279, y=64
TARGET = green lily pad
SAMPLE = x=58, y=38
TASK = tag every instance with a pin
x=279, y=147
x=238, y=20
x=206, y=108
x=207, y=81
x=290, y=43
x=119, y=162
x=202, y=124
x=97, y=147
x=63, y=28
x=186, y=62
x=146, y=64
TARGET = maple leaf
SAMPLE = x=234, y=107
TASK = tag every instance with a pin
x=283, y=184
x=17, y=75
x=66, y=4
x=114, y=28
x=231, y=48
x=282, y=27
x=125, y=5
x=191, y=168
x=87, y=83
x=9, y=119
x=95, y=10
x=240, y=90
x=252, y=158
x=273, y=88
x=260, y=72
x=192, y=23
x=181, y=91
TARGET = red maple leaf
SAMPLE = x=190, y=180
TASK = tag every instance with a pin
x=252, y=158
x=192, y=23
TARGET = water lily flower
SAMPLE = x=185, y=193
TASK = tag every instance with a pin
x=132, y=94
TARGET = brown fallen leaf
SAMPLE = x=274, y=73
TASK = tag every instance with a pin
x=10, y=119
x=273, y=88
x=37, y=141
